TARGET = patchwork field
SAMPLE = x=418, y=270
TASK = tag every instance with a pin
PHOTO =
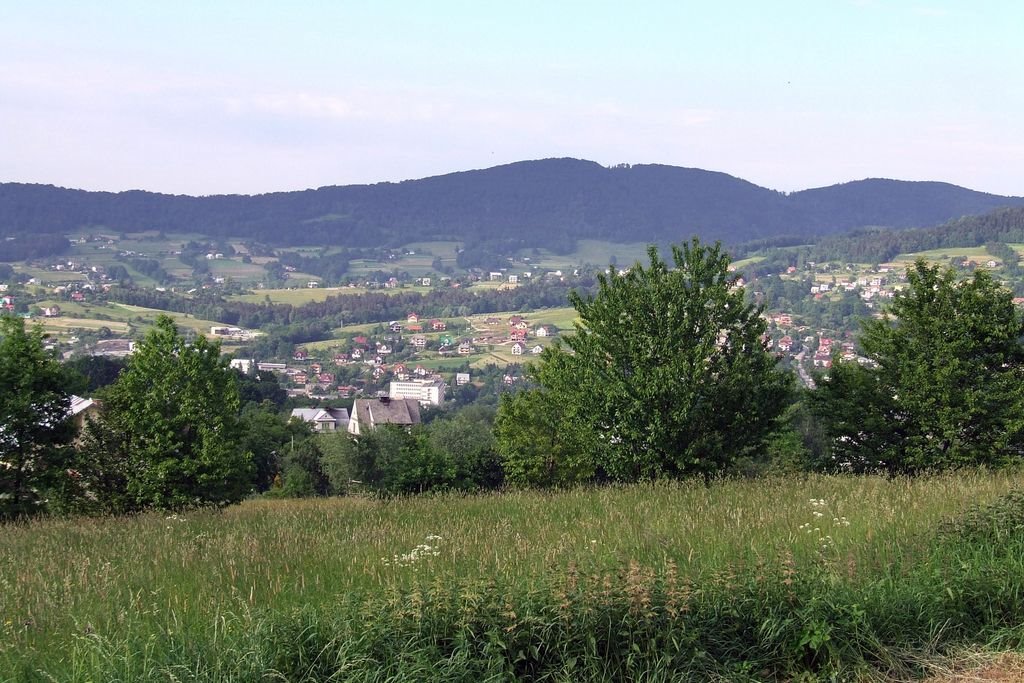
x=816, y=574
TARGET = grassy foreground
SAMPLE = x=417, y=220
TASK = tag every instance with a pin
x=825, y=577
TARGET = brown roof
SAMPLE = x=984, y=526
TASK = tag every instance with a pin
x=398, y=411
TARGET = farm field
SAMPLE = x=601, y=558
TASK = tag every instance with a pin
x=303, y=295
x=64, y=327
x=83, y=315
x=738, y=570
x=942, y=255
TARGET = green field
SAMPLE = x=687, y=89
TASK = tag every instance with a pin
x=832, y=575
x=593, y=252
x=979, y=254
x=83, y=315
x=303, y=295
x=739, y=265
x=64, y=327
x=235, y=269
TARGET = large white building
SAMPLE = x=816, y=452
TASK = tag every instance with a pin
x=426, y=391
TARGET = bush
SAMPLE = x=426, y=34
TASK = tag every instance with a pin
x=990, y=524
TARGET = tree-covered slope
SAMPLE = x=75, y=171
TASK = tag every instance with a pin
x=547, y=203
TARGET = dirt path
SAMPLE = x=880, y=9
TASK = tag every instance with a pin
x=1004, y=668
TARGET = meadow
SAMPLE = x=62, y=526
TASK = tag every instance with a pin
x=831, y=578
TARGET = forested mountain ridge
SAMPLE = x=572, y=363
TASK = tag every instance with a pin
x=547, y=203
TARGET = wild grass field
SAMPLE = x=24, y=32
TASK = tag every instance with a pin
x=833, y=578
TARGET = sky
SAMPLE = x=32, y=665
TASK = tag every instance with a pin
x=209, y=97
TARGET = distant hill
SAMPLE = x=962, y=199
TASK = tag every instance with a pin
x=548, y=203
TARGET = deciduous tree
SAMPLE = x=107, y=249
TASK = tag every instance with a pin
x=948, y=387
x=33, y=419
x=176, y=408
x=666, y=375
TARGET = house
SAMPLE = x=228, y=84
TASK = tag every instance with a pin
x=438, y=325
x=419, y=341
x=537, y=350
x=420, y=371
x=517, y=335
x=340, y=358
x=513, y=279
x=82, y=408
x=51, y=311
x=412, y=318
x=461, y=378
x=300, y=354
x=312, y=284
x=325, y=378
x=494, y=275
x=244, y=365
x=465, y=348
x=357, y=354
x=315, y=368
x=395, y=326
x=786, y=343
x=300, y=378
x=368, y=413
x=383, y=349
x=518, y=348
x=544, y=331
x=323, y=419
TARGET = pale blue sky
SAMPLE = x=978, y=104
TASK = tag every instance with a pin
x=211, y=97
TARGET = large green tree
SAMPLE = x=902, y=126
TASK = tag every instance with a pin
x=33, y=419
x=666, y=375
x=175, y=408
x=947, y=387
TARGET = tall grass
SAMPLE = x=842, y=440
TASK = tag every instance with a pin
x=745, y=580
